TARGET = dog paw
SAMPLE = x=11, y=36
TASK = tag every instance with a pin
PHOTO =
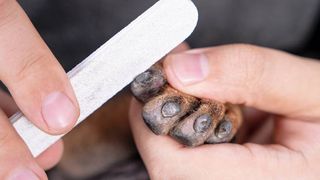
x=189, y=120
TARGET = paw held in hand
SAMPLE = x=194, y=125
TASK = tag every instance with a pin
x=189, y=120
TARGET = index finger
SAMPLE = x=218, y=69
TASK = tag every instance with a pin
x=34, y=77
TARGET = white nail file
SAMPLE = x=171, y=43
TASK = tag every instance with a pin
x=115, y=64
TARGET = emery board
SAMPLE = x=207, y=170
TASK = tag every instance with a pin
x=115, y=64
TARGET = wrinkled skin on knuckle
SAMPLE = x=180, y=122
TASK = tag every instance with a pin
x=189, y=120
x=250, y=61
x=248, y=65
x=28, y=66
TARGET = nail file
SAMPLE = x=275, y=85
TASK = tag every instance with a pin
x=115, y=64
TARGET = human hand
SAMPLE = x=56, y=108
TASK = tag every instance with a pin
x=39, y=87
x=268, y=80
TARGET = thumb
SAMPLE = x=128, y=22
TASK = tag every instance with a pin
x=263, y=78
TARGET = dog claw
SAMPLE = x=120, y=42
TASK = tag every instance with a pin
x=170, y=109
x=228, y=126
x=224, y=129
x=202, y=123
x=164, y=111
x=149, y=83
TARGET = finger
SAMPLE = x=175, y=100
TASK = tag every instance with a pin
x=266, y=79
x=51, y=156
x=7, y=104
x=34, y=77
x=16, y=161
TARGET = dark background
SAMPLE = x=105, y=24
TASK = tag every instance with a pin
x=74, y=29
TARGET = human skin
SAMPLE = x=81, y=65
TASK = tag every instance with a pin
x=269, y=81
x=40, y=89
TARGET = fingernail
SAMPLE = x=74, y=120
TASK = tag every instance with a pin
x=58, y=111
x=189, y=68
x=23, y=174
